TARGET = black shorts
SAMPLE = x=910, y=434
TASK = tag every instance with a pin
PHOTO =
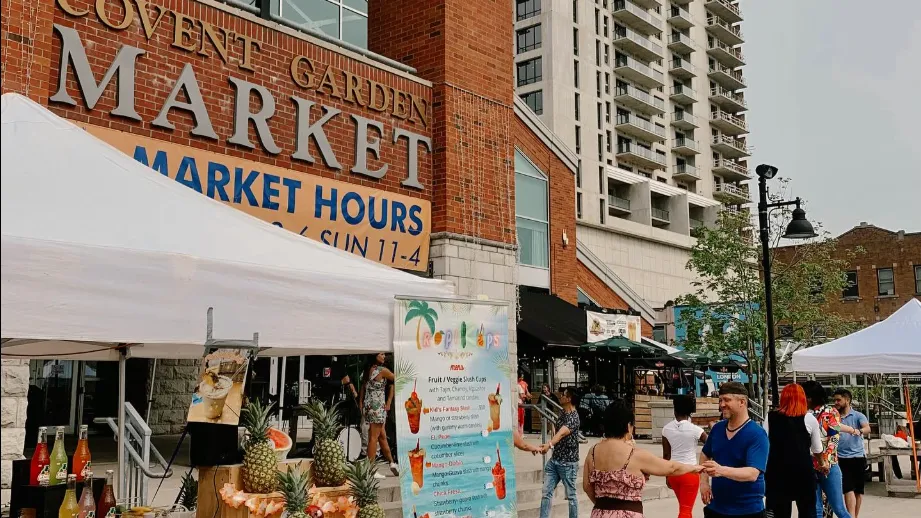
x=853, y=473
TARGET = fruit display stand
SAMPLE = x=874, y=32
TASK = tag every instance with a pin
x=220, y=495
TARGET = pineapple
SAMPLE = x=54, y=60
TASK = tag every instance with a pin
x=363, y=488
x=328, y=455
x=293, y=484
x=188, y=494
x=259, y=461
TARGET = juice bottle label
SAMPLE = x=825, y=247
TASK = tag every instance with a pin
x=91, y=514
x=110, y=513
x=44, y=476
x=87, y=468
x=62, y=472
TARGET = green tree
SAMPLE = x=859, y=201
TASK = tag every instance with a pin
x=420, y=310
x=725, y=312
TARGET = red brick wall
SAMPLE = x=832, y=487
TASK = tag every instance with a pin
x=604, y=295
x=882, y=249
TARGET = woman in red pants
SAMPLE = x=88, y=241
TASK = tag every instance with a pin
x=679, y=443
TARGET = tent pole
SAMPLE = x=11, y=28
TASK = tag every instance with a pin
x=122, y=474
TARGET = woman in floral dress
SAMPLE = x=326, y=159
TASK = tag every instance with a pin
x=374, y=401
x=616, y=470
x=828, y=474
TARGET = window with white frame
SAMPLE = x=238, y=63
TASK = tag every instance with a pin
x=346, y=20
x=885, y=281
x=531, y=213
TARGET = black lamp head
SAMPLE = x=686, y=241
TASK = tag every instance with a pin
x=799, y=227
x=766, y=171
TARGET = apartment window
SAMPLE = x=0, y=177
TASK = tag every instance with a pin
x=601, y=210
x=529, y=38
x=582, y=299
x=658, y=333
x=534, y=100
x=918, y=279
x=575, y=41
x=527, y=8
x=575, y=73
x=851, y=290
x=607, y=54
x=578, y=140
x=607, y=140
x=607, y=83
x=578, y=102
x=661, y=155
x=607, y=111
x=579, y=205
x=597, y=22
x=579, y=174
x=885, y=281
x=575, y=11
x=599, y=115
x=597, y=53
x=531, y=213
x=529, y=71
x=601, y=179
x=600, y=147
x=598, y=83
x=344, y=20
x=606, y=26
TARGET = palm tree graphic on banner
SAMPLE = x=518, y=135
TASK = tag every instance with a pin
x=420, y=310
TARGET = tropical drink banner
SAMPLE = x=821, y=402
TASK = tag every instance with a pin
x=454, y=409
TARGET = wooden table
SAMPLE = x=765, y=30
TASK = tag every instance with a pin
x=896, y=487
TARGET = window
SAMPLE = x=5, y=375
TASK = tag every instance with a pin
x=607, y=54
x=602, y=176
x=578, y=101
x=575, y=11
x=597, y=84
x=598, y=116
x=608, y=140
x=600, y=147
x=579, y=174
x=784, y=331
x=885, y=281
x=346, y=20
x=658, y=333
x=534, y=100
x=579, y=205
x=851, y=290
x=575, y=73
x=597, y=22
x=529, y=71
x=529, y=38
x=918, y=279
x=607, y=83
x=605, y=26
x=582, y=299
x=531, y=213
x=527, y=8
x=578, y=140
x=601, y=210
x=597, y=53
x=607, y=111
x=575, y=41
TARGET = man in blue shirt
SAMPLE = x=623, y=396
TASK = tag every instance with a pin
x=734, y=457
x=851, y=455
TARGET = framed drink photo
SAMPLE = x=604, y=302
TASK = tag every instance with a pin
x=218, y=395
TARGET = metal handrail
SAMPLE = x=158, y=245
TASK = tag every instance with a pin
x=618, y=202
x=660, y=214
x=551, y=402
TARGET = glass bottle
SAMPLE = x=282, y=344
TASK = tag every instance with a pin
x=106, y=504
x=38, y=471
x=87, y=502
x=82, y=459
x=58, y=469
x=70, y=508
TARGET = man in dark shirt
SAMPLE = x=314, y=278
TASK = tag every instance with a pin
x=563, y=465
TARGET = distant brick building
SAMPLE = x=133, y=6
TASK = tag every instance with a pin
x=883, y=278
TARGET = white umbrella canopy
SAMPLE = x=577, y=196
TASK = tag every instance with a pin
x=98, y=249
x=889, y=347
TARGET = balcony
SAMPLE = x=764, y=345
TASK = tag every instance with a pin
x=685, y=146
x=682, y=68
x=637, y=44
x=728, y=123
x=638, y=155
x=680, y=43
x=642, y=129
x=680, y=18
x=638, y=72
x=729, y=147
x=725, y=54
x=724, y=31
x=637, y=99
x=731, y=194
x=618, y=206
x=728, y=10
x=685, y=172
x=682, y=94
x=727, y=77
x=637, y=17
x=695, y=226
x=648, y=4
x=731, y=171
x=684, y=120
x=728, y=100
x=660, y=217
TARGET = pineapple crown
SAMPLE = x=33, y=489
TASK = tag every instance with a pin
x=362, y=484
x=188, y=495
x=293, y=484
x=327, y=423
x=255, y=418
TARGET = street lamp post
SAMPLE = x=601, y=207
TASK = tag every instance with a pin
x=799, y=228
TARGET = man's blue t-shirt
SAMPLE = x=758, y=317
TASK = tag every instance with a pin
x=748, y=448
x=851, y=446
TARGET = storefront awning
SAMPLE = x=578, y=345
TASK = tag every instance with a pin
x=549, y=321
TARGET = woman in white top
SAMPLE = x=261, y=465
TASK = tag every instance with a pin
x=679, y=443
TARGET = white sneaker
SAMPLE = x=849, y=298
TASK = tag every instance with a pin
x=395, y=469
x=379, y=476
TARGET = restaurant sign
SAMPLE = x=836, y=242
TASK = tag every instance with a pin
x=602, y=326
x=386, y=227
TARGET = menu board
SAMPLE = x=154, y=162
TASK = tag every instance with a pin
x=602, y=326
x=455, y=409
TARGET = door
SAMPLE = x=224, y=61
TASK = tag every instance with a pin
x=53, y=390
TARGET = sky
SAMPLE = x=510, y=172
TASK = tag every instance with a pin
x=834, y=102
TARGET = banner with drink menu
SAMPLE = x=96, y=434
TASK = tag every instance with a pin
x=455, y=409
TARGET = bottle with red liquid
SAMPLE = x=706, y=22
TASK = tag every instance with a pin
x=106, y=505
x=41, y=460
x=82, y=459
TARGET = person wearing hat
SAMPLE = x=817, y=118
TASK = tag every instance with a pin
x=734, y=460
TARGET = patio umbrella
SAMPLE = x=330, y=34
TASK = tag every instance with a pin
x=622, y=345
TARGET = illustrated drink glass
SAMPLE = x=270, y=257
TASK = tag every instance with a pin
x=498, y=476
x=417, y=463
x=82, y=462
x=70, y=508
x=413, y=411
x=495, y=408
x=57, y=473
x=213, y=391
x=106, y=505
x=38, y=472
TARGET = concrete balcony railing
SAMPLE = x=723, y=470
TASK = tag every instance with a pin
x=620, y=204
x=727, y=77
x=680, y=43
x=683, y=94
x=685, y=146
x=646, y=130
x=682, y=68
x=730, y=193
x=637, y=44
x=727, y=99
x=635, y=16
x=685, y=172
x=728, y=123
x=724, y=30
x=680, y=18
x=725, y=54
x=639, y=72
x=639, y=155
x=660, y=215
x=633, y=97
x=725, y=8
x=729, y=146
x=731, y=171
x=684, y=120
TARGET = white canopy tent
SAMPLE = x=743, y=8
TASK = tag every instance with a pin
x=889, y=347
x=99, y=250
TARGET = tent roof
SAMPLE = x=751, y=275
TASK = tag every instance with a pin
x=99, y=248
x=890, y=346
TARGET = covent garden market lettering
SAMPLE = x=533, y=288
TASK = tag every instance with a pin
x=385, y=227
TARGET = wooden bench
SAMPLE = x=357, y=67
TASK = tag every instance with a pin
x=904, y=488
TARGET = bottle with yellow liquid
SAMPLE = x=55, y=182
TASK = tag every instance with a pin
x=70, y=508
x=58, y=472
